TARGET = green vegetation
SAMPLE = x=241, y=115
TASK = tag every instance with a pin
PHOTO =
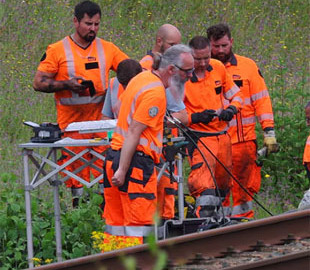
x=77, y=226
x=273, y=33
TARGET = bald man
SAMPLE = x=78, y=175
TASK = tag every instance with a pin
x=166, y=36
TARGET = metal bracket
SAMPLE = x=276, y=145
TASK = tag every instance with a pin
x=56, y=183
x=29, y=188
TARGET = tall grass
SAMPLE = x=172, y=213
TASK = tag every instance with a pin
x=273, y=33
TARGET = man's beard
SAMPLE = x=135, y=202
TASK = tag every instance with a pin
x=88, y=37
x=162, y=49
x=224, y=58
x=176, y=87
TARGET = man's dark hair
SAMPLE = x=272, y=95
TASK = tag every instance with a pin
x=199, y=42
x=88, y=7
x=218, y=31
x=126, y=70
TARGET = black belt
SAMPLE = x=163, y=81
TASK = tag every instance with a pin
x=138, y=153
x=142, y=154
x=206, y=134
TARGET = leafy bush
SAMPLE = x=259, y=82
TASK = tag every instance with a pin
x=77, y=226
x=270, y=32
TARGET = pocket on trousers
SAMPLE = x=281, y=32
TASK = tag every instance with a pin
x=143, y=210
x=108, y=173
x=255, y=179
x=139, y=183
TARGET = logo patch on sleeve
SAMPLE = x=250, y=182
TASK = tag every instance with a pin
x=153, y=111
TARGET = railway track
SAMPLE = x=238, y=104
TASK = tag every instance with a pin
x=278, y=242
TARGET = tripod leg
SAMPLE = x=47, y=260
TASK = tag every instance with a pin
x=180, y=187
x=161, y=171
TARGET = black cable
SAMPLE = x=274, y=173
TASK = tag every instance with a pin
x=206, y=147
x=208, y=166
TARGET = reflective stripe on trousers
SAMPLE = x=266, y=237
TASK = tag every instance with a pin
x=242, y=208
x=227, y=211
x=205, y=200
x=138, y=231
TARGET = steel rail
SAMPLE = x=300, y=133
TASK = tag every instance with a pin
x=301, y=260
x=209, y=243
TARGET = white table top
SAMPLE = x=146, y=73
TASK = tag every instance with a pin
x=65, y=142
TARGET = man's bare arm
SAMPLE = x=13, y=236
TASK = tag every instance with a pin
x=129, y=147
x=182, y=116
x=104, y=117
x=45, y=82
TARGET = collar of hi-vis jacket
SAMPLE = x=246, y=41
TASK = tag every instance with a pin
x=150, y=53
x=194, y=78
x=233, y=60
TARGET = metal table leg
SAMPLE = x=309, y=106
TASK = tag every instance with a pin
x=28, y=208
x=56, y=184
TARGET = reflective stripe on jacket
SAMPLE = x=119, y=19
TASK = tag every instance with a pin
x=112, y=103
x=144, y=101
x=66, y=60
x=147, y=61
x=257, y=103
x=210, y=93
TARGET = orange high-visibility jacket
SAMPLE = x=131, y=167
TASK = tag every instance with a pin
x=143, y=101
x=111, y=103
x=306, y=157
x=209, y=93
x=67, y=60
x=147, y=61
x=257, y=103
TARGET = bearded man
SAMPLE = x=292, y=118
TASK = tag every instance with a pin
x=130, y=179
x=64, y=67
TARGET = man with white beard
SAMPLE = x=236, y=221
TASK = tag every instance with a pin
x=130, y=179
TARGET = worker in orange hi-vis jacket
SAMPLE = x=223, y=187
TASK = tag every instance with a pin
x=205, y=92
x=130, y=182
x=126, y=70
x=66, y=64
x=167, y=35
x=305, y=202
x=257, y=105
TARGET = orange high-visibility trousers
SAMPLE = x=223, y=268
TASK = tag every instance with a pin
x=200, y=181
x=134, y=203
x=166, y=197
x=248, y=173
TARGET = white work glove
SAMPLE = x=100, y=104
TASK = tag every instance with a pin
x=270, y=141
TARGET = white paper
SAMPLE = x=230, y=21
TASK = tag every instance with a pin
x=94, y=126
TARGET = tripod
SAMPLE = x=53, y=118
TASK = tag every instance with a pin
x=173, y=157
